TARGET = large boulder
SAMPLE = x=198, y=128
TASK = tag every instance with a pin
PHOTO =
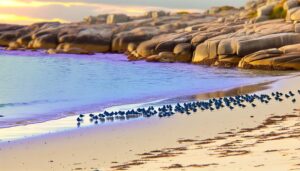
x=92, y=40
x=46, y=41
x=10, y=27
x=227, y=46
x=166, y=46
x=267, y=27
x=258, y=59
x=24, y=40
x=157, y=44
x=166, y=57
x=220, y=10
x=245, y=47
x=214, y=30
x=152, y=58
x=169, y=45
x=70, y=49
x=289, y=61
x=123, y=39
x=24, y=34
x=156, y=14
x=290, y=48
x=88, y=43
x=7, y=37
x=206, y=53
x=284, y=58
x=289, y=4
x=117, y=18
x=120, y=43
x=132, y=47
x=295, y=14
x=99, y=19
x=183, y=52
x=147, y=48
x=13, y=46
x=264, y=12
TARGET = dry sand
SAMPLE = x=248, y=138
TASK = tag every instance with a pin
x=214, y=140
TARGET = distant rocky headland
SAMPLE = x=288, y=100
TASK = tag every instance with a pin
x=264, y=34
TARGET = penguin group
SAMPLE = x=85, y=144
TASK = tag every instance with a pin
x=231, y=102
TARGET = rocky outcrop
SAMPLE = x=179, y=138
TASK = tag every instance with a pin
x=46, y=41
x=117, y=18
x=284, y=58
x=9, y=27
x=122, y=40
x=99, y=19
x=156, y=14
x=183, y=52
x=6, y=38
x=264, y=34
x=222, y=10
x=264, y=12
x=289, y=4
x=245, y=47
x=89, y=43
x=227, y=49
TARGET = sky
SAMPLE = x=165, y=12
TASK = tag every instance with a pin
x=31, y=11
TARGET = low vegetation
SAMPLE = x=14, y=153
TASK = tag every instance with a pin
x=278, y=11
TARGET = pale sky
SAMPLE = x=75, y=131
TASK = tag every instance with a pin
x=30, y=11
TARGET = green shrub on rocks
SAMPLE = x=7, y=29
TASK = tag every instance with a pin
x=182, y=12
x=216, y=10
x=252, y=14
x=226, y=8
x=278, y=11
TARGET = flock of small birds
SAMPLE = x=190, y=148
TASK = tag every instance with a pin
x=233, y=102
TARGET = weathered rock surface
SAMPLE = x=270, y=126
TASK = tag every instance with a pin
x=183, y=52
x=245, y=47
x=156, y=14
x=284, y=58
x=46, y=41
x=117, y=18
x=100, y=19
x=264, y=34
x=122, y=40
x=289, y=4
x=264, y=12
x=86, y=39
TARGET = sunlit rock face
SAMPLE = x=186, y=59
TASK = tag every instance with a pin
x=221, y=36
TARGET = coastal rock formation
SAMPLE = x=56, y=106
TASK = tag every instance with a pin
x=122, y=40
x=86, y=39
x=99, y=19
x=284, y=58
x=156, y=14
x=255, y=36
x=183, y=52
x=46, y=41
x=117, y=18
x=264, y=11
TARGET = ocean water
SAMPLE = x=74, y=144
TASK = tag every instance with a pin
x=36, y=87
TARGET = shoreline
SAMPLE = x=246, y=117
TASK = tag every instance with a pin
x=69, y=122
x=122, y=142
x=260, y=131
x=92, y=108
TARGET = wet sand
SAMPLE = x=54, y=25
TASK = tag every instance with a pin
x=202, y=140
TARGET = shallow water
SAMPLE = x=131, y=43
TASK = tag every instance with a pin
x=35, y=87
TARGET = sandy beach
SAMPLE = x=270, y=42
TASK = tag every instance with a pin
x=261, y=138
x=140, y=85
